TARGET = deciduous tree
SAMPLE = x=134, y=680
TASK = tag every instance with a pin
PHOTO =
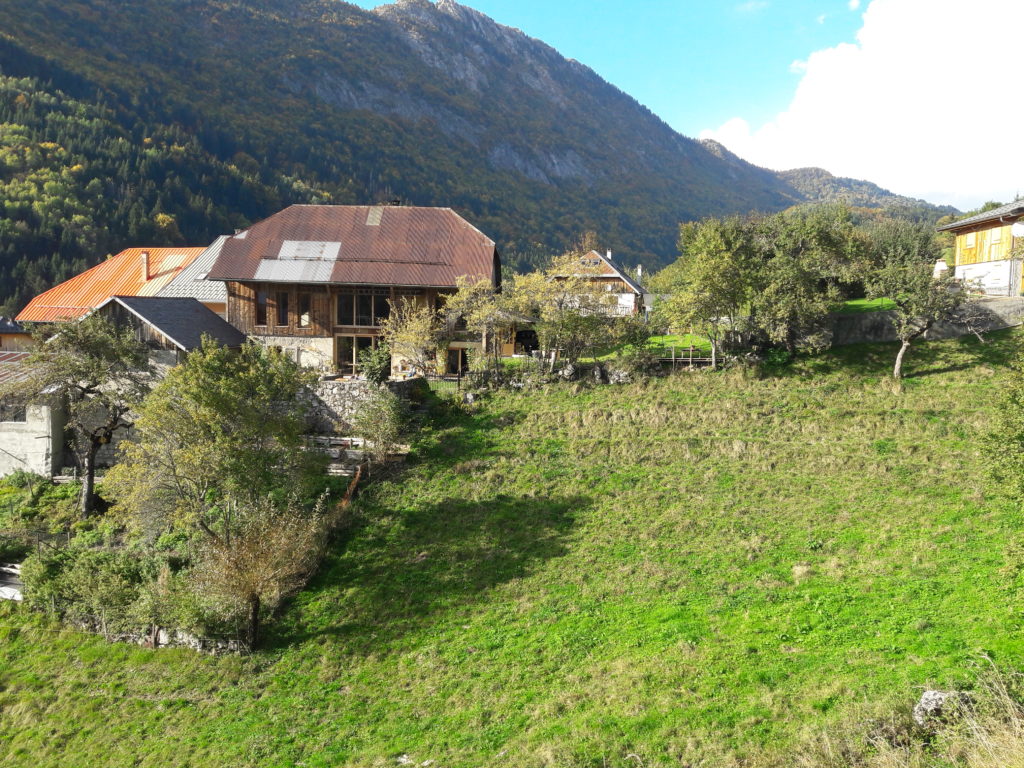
x=268, y=556
x=903, y=259
x=711, y=287
x=222, y=426
x=99, y=373
x=412, y=332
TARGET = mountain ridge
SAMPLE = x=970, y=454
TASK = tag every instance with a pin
x=437, y=104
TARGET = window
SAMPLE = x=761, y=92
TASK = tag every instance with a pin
x=347, y=350
x=282, y=307
x=381, y=309
x=11, y=412
x=261, y=308
x=364, y=308
x=997, y=234
x=969, y=239
x=305, y=310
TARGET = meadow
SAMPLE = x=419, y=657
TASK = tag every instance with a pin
x=705, y=569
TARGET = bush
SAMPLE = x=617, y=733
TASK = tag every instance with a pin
x=375, y=363
x=380, y=420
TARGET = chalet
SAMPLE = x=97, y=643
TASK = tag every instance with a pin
x=985, y=256
x=132, y=272
x=626, y=295
x=317, y=280
x=14, y=337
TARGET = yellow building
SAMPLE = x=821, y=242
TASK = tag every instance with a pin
x=988, y=250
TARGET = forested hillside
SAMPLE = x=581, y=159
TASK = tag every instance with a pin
x=213, y=112
x=77, y=184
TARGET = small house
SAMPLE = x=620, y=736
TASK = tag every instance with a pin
x=14, y=337
x=626, y=295
x=170, y=327
x=985, y=250
x=31, y=436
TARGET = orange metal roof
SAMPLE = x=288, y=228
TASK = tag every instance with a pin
x=119, y=275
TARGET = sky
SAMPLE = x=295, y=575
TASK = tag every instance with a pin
x=918, y=96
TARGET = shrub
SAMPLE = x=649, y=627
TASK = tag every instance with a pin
x=375, y=363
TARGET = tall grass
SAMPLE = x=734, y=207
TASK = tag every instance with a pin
x=744, y=568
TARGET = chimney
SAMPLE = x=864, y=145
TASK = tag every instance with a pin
x=639, y=272
x=145, y=266
x=609, y=256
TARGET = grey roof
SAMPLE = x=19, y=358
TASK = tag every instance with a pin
x=7, y=325
x=192, y=282
x=183, y=320
x=1016, y=208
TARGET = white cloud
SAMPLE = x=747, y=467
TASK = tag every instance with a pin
x=821, y=19
x=925, y=103
x=854, y=5
x=752, y=6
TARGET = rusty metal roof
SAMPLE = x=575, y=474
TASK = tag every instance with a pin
x=120, y=275
x=361, y=245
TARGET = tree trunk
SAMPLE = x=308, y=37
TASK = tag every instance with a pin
x=254, y=622
x=897, y=371
x=87, y=498
x=714, y=356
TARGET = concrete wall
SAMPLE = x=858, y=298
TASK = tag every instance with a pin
x=308, y=351
x=992, y=314
x=34, y=445
x=993, y=278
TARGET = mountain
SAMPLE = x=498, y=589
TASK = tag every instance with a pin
x=192, y=117
x=816, y=185
x=819, y=185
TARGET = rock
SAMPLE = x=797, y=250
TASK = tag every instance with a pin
x=599, y=374
x=936, y=706
x=468, y=398
x=568, y=372
x=619, y=376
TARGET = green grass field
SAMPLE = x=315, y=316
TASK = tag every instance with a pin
x=858, y=306
x=706, y=569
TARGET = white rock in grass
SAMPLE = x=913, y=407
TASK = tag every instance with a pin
x=935, y=706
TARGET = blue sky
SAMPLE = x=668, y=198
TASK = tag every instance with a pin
x=693, y=63
x=904, y=93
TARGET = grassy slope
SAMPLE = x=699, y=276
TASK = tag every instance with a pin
x=704, y=566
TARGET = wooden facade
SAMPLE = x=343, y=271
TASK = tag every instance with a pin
x=992, y=242
x=348, y=318
x=300, y=310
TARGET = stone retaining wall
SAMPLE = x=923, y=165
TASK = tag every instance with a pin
x=336, y=402
x=990, y=315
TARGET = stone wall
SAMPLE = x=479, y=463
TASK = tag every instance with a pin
x=989, y=315
x=336, y=401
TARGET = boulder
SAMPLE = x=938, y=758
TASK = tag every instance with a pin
x=936, y=707
x=619, y=376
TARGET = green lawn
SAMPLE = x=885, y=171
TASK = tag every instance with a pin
x=662, y=345
x=858, y=306
x=698, y=570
